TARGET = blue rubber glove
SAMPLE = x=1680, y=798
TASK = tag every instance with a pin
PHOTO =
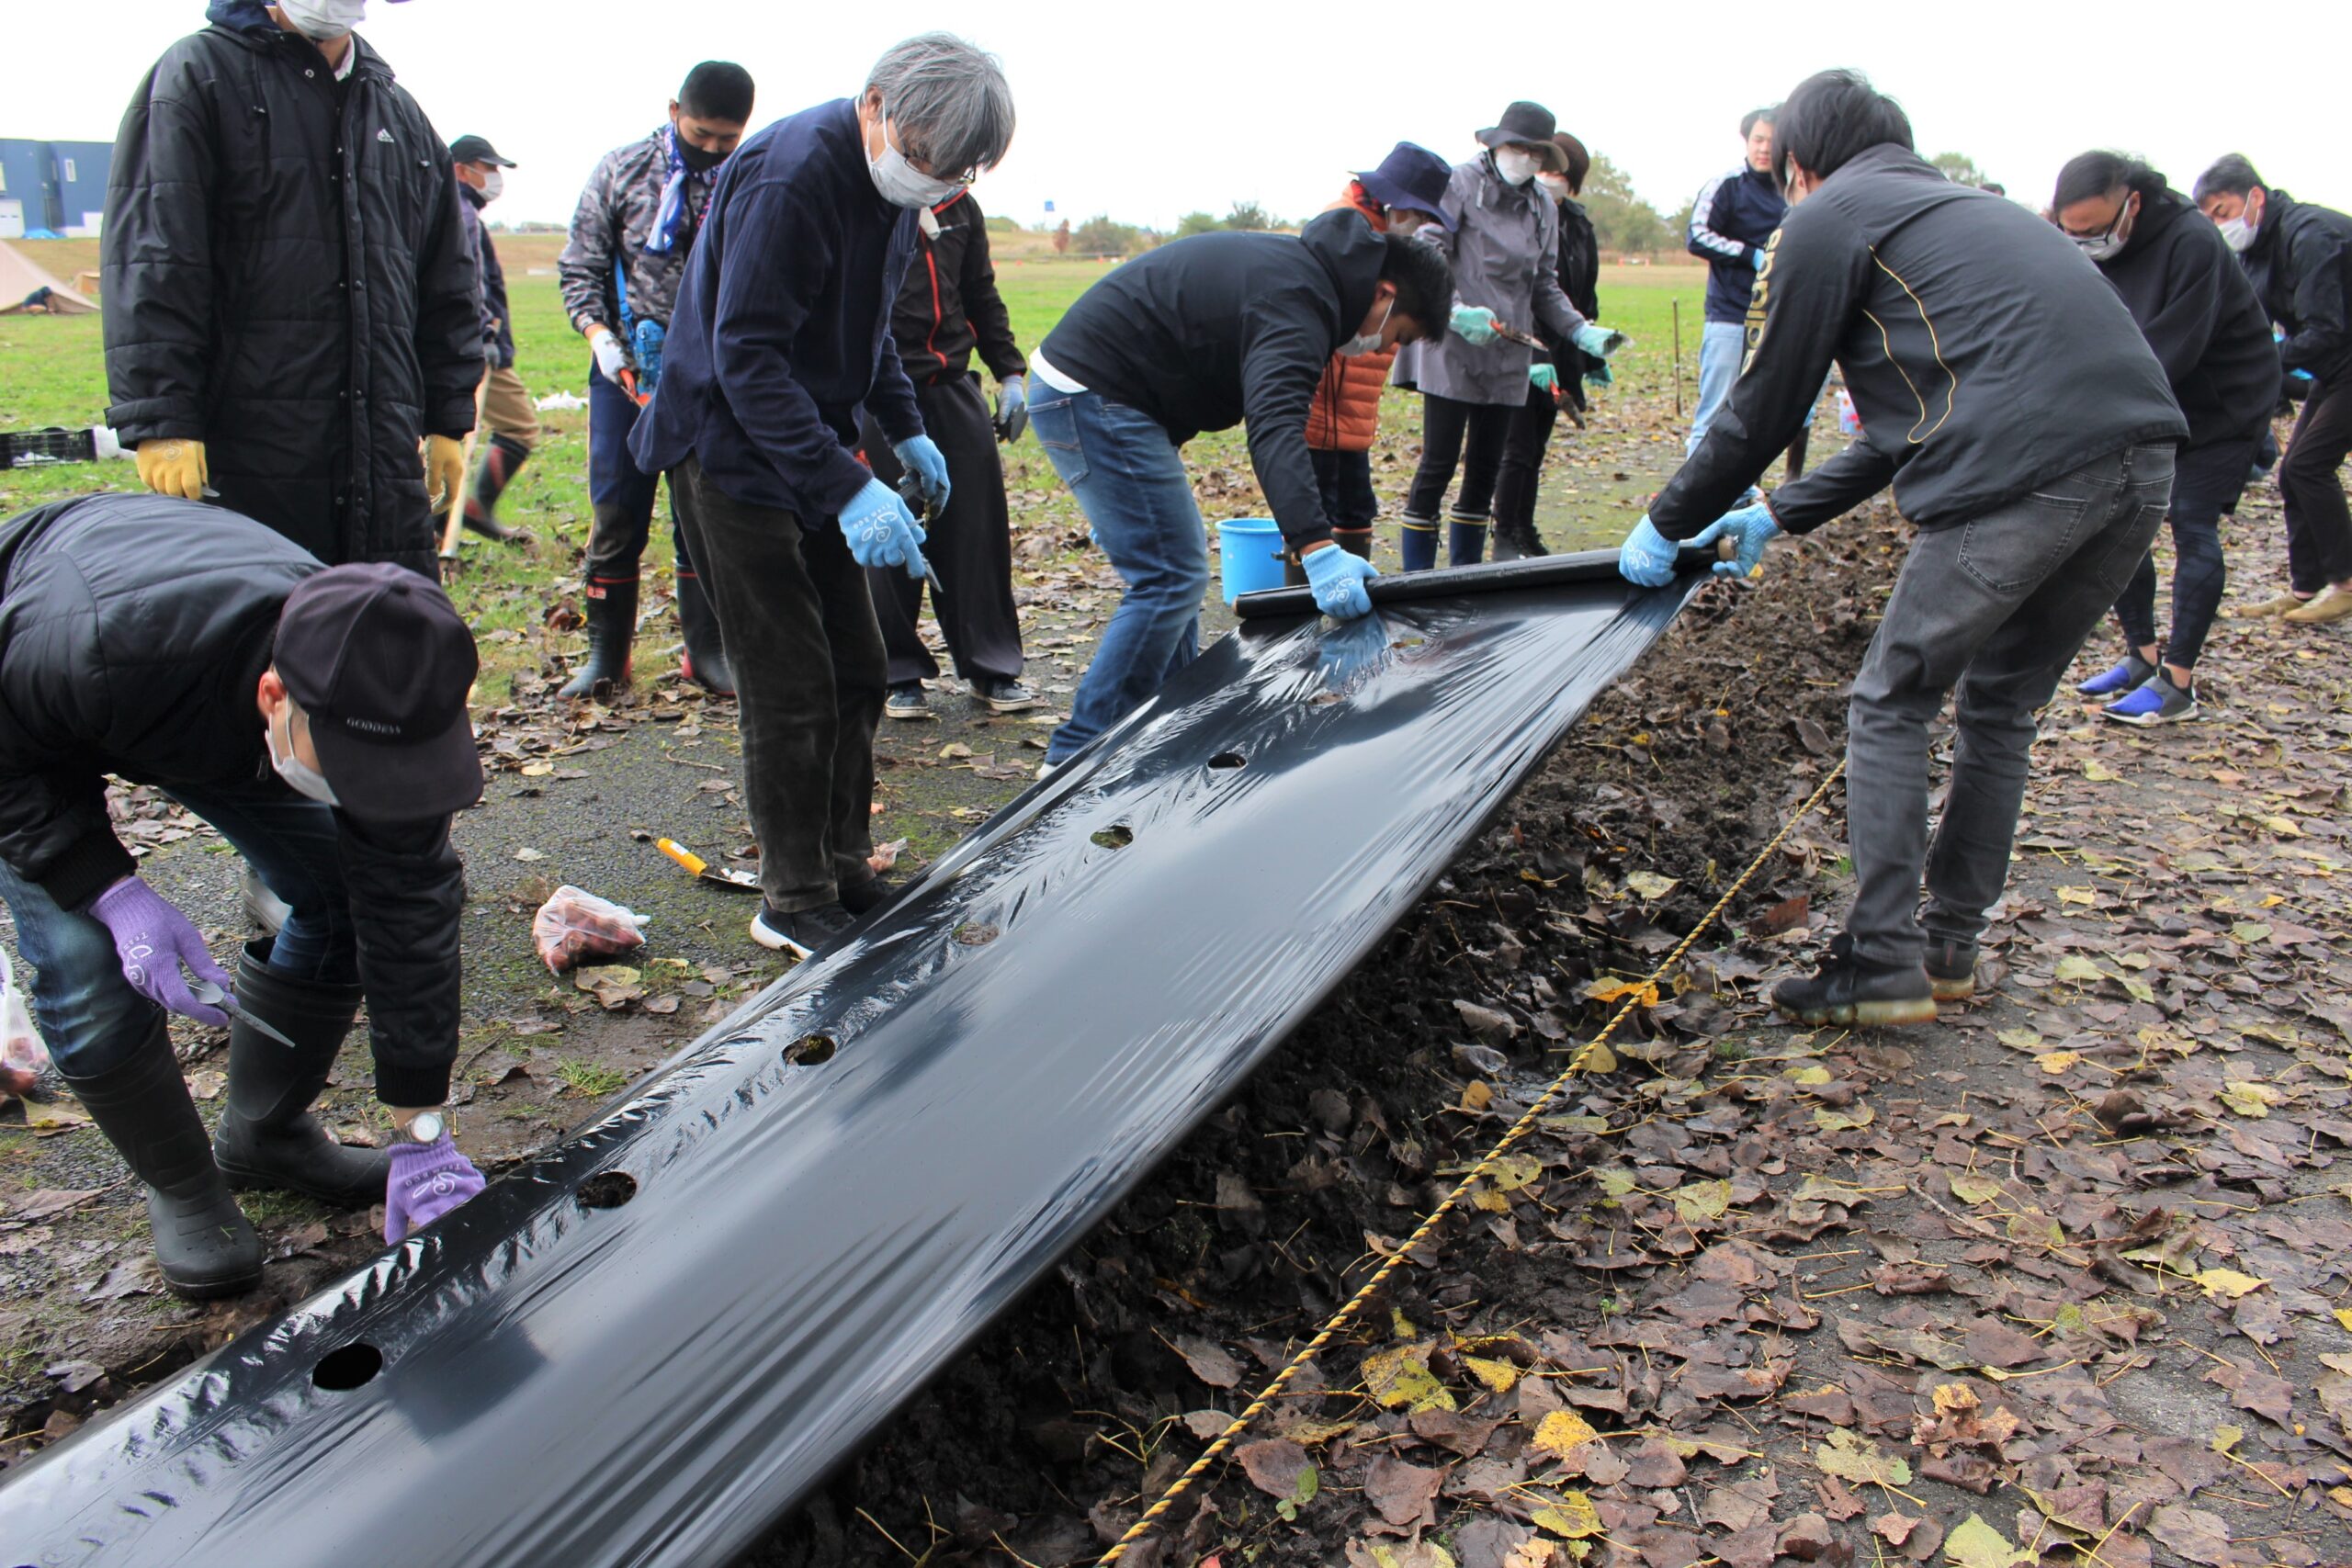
x=1598, y=342
x=1599, y=376
x=1544, y=378
x=1757, y=256
x=1473, y=325
x=1338, y=580
x=1646, y=558
x=922, y=458
x=1752, y=528
x=1012, y=407
x=882, y=532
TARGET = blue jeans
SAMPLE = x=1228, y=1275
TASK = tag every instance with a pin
x=1721, y=347
x=88, y=1014
x=1130, y=479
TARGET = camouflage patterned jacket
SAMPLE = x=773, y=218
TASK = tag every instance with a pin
x=615, y=215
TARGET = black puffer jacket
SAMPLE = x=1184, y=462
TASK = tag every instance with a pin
x=2301, y=265
x=133, y=630
x=286, y=279
x=2196, y=308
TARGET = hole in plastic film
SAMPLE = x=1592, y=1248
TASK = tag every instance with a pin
x=1118, y=835
x=1228, y=760
x=608, y=1189
x=809, y=1051
x=347, y=1367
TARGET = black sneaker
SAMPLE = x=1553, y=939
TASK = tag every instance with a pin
x=1845, y=990
x=857, y=897
x=803, y=931
x=1952, y=968
x=906, y=701
x=1005, y=695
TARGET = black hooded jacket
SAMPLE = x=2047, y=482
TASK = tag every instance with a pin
x=287, y=279
x=1229, y=329
x=2301, y=261
x=1983, y=354
x=133, y=631
x=2196, y=308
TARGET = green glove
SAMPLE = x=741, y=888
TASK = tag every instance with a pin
x=1544, y=378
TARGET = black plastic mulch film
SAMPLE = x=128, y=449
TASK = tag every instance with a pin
x=645, y=1344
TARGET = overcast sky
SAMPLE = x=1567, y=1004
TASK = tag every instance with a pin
x=1147, y=111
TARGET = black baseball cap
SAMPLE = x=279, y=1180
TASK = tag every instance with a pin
x=477, y=150
x=1411, y=176
x=380, y=662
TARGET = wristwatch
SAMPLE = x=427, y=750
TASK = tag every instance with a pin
x=425, y=1127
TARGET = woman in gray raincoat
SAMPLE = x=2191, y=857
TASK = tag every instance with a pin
x=1504, y=235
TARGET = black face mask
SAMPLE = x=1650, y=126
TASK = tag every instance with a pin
x=695, y=158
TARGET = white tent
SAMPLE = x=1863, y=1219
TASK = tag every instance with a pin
x=19, y=277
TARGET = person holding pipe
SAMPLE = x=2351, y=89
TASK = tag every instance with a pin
x=2028, y=431
x=1204, y=333
x=315, y=716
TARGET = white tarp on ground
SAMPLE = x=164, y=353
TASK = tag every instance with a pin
x=19, y=277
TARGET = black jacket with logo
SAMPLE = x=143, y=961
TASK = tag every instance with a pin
x=2198, y=309
x=1983, y=353
x=949, y=304
x=287, y=280
x=2301, y=261
x=133, y=631
x=1231, y=329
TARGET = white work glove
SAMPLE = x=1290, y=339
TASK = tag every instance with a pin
x=611, y=357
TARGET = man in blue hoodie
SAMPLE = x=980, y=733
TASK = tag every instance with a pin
x=1731, y=218
x=780, y=337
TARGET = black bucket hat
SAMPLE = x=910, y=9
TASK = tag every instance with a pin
x=1530, y=126
x=1412, y=177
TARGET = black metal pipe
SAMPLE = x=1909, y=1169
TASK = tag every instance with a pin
x=1582, y=567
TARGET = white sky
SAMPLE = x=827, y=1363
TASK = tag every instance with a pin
x=1147, y=111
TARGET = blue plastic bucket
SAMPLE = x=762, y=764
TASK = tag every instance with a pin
x=1250, y=549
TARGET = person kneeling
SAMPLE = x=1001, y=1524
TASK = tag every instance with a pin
x=316, y=716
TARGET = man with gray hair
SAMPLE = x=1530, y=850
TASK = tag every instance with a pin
x=779, y=337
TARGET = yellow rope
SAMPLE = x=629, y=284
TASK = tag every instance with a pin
x=1519, y=1130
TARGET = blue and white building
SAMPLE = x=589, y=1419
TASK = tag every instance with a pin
x=49, y=188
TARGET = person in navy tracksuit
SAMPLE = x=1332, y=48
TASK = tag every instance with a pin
x=1731, y=216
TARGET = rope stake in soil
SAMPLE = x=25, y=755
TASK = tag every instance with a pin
x=1592, y=1050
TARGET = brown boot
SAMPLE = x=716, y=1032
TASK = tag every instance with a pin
x=2267, y=609
x=2333, y=604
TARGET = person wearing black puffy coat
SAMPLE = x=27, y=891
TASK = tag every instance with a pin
x=288, y=289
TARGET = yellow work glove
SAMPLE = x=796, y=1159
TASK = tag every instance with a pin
x=445, y=471
x=173, y=466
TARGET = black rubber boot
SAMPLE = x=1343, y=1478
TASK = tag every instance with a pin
x=500, y=463
x=1847, y=990
x=267, y=1136
x=706, y=661
x=1952, y=968
x=612, y=622
x=202, y=1241
x=1357, y=542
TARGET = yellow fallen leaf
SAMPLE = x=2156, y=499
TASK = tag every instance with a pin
x=2344, y=1319
x=2056, y=1061
x=1573, y=1516
x=2227, y=1282
x=1649, y=885
x=1607, y=991
x=2084, y=896
x=1703, y=1200
x=1830, y=1121
x=1851, y=1457
x=2019, y=1039
x=2098, y=772
x=1808, y=1078
x=1514, y=1171
x=2077, y=970
x=1499, y=1375
x=1975, y=1544
x=1561, y=1433
x=2226, y=1436
x=1973, y=1189
x=2252, y=1100
x=1402, y=1377
x=1487, y=1201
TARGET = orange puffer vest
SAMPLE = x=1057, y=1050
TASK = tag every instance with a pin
x=1346, y=410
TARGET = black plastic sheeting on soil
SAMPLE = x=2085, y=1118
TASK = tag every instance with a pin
x=651, y=1341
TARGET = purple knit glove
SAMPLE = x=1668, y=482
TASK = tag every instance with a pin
x=153, y=939
x=427, y=1181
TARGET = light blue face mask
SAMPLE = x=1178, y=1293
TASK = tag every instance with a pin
x=323, y=21
x=299, y=777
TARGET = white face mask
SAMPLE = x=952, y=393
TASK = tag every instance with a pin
x=1516, y=164
x=1557, y=185
x=299, y=777
x=323, y=21
x=902, y=184
x=493, y=183
x=2238, y=232
x=1365, y=342
x=2109, y=242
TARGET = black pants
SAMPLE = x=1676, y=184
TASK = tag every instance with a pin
x=969, y=548
x=1470, y=434
x=2206, y=482
x=1524, y=445
x=1345, y=480
x=2319, y=524
x=807, y=657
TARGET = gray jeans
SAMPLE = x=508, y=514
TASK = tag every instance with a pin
x=1996, y=608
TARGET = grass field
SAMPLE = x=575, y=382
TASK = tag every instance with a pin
x=52, y=373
